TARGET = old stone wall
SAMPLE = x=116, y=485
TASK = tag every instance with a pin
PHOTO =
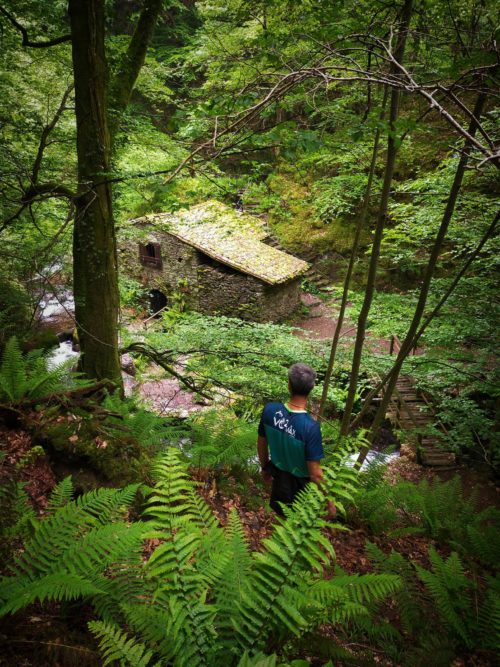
x=229, y=293
x=240, y=295
x=179, y=262
x=281, y=300
x=210, y=286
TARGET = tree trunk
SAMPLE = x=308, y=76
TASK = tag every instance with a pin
x=408, y=342
x=382, y=215
x=123, y=82
x=95, y=280
x=428, y=319
x=354, y=251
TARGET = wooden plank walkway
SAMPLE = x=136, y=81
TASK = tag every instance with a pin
x=411, y=409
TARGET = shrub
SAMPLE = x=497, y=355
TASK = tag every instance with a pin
x=201, y=597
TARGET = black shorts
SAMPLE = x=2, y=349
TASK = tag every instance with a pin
x=285, y=487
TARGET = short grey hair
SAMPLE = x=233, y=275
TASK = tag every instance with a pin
x=302, y=379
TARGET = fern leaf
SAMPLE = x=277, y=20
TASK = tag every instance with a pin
x=12, y=371
x=61, y=495
x=116, y=646
x=59, y=586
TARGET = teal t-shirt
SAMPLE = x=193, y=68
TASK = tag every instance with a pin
x=293, y=438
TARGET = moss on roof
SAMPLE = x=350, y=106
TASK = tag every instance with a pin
x=230, y=237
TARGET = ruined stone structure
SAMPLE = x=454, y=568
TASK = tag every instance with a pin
x=216, y=257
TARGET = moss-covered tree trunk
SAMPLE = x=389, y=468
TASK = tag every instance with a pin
x=95, y=280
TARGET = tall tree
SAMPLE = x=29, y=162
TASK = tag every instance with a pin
x=409, y=340
x=100, y=101
x=392, y=147
x=98, y=110
x=352, y=259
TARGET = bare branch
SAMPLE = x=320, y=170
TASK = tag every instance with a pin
x=26, y=40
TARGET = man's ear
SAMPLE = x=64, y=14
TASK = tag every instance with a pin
x=289, y=387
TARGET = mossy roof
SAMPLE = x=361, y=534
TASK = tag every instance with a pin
x=230, y=237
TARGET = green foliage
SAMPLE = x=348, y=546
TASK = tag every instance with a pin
x=74, y=550
x=201, y=598
x=219, y=438
x=247, y=358
x=128, y=420
x=115, y=646
x=26, y=376
x=453, y=611
x=438, y=510
x=132, y=293
x=18, y=517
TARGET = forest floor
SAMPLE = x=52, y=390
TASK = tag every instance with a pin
x=42, y=635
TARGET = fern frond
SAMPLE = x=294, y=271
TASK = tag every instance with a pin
x=61, y=495
x=58, y=534
x=171, y=502
x=18, y=516
x=59, y=586
x=296, y=543
x=257, y=660
x=362, y=589
x=115, y=645
x=190, y=628
x=489, y=617
x=149, y=621
x=447, y=585
x=12, y=371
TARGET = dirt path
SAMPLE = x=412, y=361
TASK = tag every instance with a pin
x=321, y=322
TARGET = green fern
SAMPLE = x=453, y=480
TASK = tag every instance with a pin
x=237, y=565
x=126, y=418
x=61, y=495
x=296, y=545
x=18, y=516
x=78, y=547
x=115, y=646
x=201, y=598
x=27, y=376
x=12, y=371
x=56, y=586
x=489, y=616
x=451, y=592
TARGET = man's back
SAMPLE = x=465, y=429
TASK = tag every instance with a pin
x=293, y=437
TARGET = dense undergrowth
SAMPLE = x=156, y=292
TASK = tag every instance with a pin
x=164, y=582
x=126, y=550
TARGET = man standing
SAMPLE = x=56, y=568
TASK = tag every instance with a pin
x=289, y=444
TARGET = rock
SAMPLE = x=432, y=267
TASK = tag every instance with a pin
x=408, y=451
x=309, y=299
x=127, y=364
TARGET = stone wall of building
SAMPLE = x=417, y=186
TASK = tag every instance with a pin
x=229, y=293
x=281, y=301
x=210, y=286
x=179, y=262
x=239, y=295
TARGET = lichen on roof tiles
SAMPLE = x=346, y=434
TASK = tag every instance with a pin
x=230, y=237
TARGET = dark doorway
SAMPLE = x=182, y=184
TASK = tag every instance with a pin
x=157, y=301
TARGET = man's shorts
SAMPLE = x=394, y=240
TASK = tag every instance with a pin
x=285, y=487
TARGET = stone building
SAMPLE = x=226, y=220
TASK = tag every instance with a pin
x=217, y=259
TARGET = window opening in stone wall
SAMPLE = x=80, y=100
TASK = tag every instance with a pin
x=150, y=254
x=205, y=260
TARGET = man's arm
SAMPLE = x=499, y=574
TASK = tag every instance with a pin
x=263, y=453
x=316, y=475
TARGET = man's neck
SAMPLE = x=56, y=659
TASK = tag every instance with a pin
x=298, y=402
